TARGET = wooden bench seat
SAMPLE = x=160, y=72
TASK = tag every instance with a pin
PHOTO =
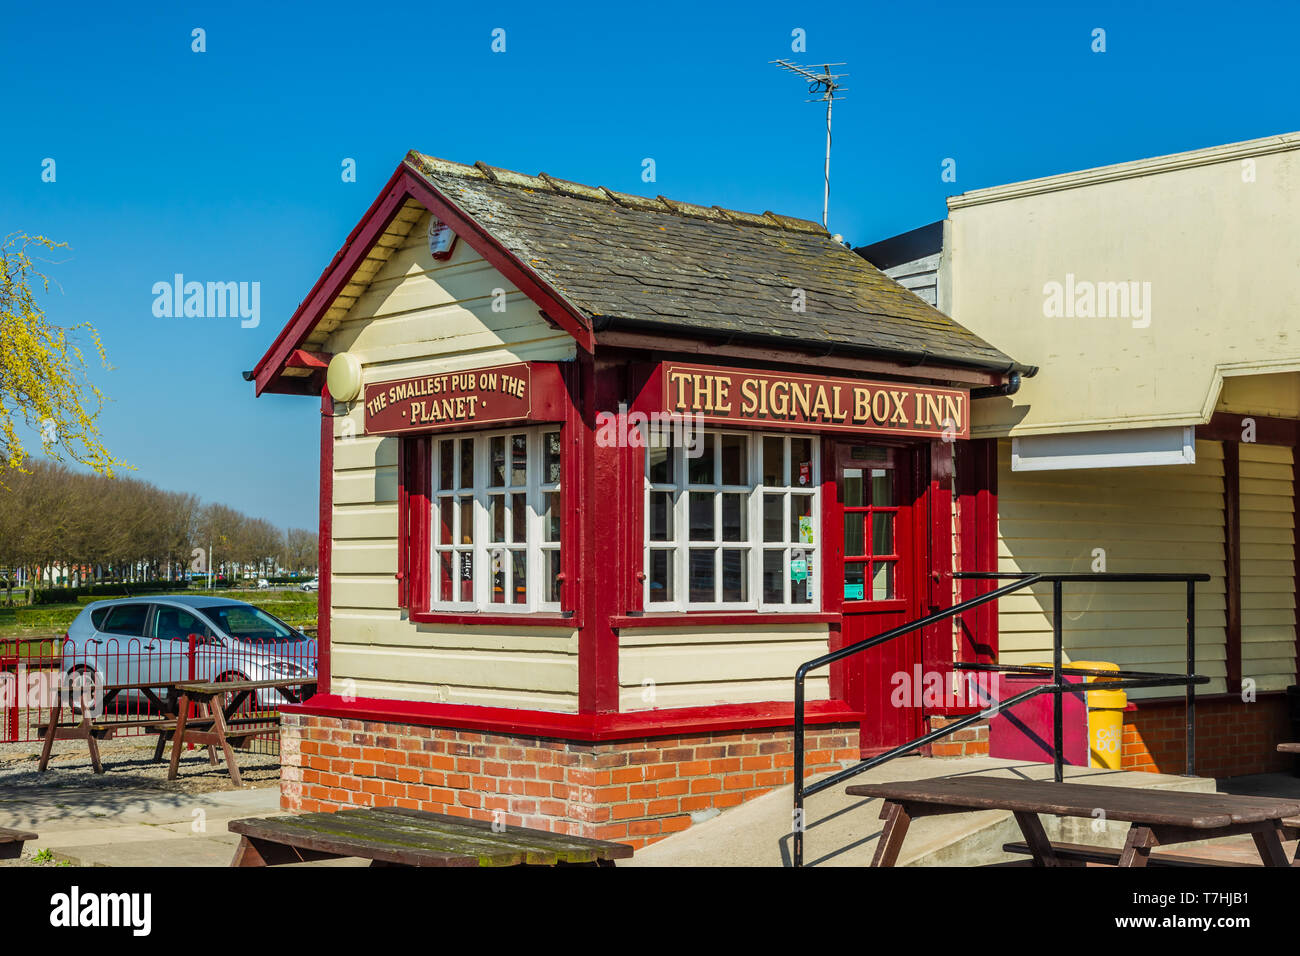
x=11, y=842
x=102, y=729
x=1081, y=854
x=397, y=837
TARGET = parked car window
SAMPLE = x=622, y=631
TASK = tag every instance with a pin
x=97, y=617
x=126, y=619
x=246, y=623
x=175, y=624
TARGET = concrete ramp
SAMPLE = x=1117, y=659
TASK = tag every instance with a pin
x=843, y=830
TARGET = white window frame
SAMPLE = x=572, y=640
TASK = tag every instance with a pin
x=681, y=546
x=534, y=547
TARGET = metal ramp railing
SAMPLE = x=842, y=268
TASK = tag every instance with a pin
x=1120, y=679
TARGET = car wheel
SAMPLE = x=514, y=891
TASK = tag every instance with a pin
x=82, y=689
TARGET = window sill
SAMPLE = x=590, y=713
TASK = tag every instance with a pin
x=525, y=619
x=720, y=618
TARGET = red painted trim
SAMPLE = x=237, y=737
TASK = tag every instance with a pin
x=407, y=183
x=496, y=620
x=721, y=619
x=1232, y=562
x=333, y=279
x=600, y=521
x=572, y=436
x=325, y=543
x=842, y=685
x=580, y=727
x=419, y=527
x=977, y=489
x=301, y=358
x=937, y=642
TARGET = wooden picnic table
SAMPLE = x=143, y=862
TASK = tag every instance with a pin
x=222, y=728
x=398, y=837
x=172, y=722
x=92, y=729
x=1155, y=817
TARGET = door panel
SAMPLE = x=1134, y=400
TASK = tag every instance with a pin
x=872, y=526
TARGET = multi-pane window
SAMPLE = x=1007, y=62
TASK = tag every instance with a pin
x=730, y=522
x=496, y=522
x=870, y=513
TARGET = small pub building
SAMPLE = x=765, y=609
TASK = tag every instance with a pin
x=598, y=472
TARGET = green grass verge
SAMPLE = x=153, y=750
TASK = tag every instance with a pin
x=295, y=608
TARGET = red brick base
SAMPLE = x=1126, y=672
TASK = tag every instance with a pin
x=1232, y=737
x=973, y=741
x=633, y=791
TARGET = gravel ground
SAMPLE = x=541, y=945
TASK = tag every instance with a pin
x=129, y=760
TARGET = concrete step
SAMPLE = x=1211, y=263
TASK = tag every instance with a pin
x=843, y=830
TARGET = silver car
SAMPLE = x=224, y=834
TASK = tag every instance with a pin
x=147, y=640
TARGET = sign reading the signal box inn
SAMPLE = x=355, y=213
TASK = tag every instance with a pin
x=735, y=396
x=480, y=396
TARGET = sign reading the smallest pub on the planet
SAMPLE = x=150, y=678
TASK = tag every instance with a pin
x=478, y=396
x=814, y=402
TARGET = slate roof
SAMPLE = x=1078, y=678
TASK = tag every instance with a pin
x=662, y=264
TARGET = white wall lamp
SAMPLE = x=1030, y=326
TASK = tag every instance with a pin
x=343, y=377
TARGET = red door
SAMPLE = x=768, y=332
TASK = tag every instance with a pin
x=875, y=574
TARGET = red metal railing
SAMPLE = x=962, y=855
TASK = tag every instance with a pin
x=36, y=676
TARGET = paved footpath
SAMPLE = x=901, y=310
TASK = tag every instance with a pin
x=134, y=825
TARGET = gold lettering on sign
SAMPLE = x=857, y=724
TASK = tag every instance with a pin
x=813, y=401
x=430, y=401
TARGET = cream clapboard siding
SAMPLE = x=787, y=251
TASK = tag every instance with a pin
x=1145, y=519
x=673, y=667
x=419, y=316
x=1267, y=566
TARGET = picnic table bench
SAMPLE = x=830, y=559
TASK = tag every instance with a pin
x=11, y=842
x=398, y=837
x=173, y=722
x=1155, y=817
x=222, y=728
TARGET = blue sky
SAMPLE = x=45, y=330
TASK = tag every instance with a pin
x=225, y=165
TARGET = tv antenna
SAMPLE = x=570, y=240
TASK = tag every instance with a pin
x=825, y=86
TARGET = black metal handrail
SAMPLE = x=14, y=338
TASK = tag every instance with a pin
x=1022, y=580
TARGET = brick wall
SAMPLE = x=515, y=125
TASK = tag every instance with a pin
x=633, y=791
x=972, y=741
x=1232, y=737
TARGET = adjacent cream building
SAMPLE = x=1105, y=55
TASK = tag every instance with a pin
x=1159, y=300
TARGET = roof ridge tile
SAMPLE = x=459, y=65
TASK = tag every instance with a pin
x=544, y=182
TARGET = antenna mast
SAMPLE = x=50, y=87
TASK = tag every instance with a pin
x=826, y=86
